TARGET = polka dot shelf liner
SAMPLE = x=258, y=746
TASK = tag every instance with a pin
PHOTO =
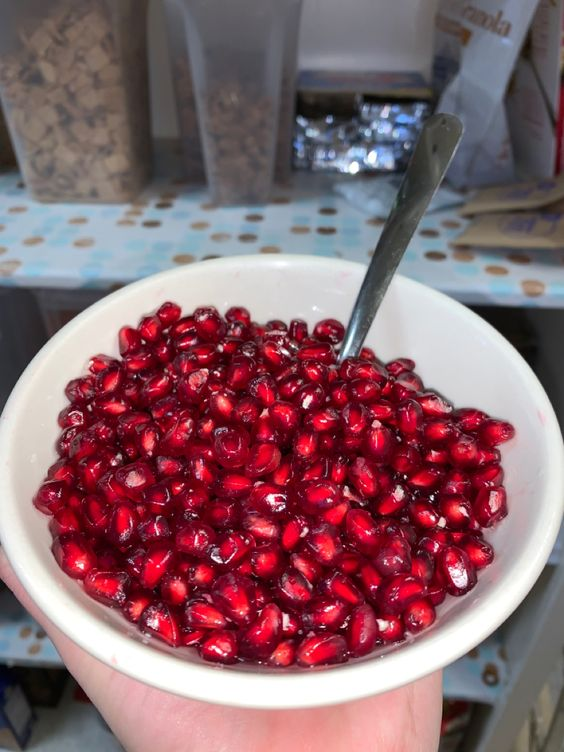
x=74, y=246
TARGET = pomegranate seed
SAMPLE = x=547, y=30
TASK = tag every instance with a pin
x=233, y=595
x=74, y=555
x=153, y=528
x=362, y=476
x=294, y=531
x=321, y=650
x=261, y=528
x=362, y=630
x=400, y=365
x=219, y=647
x=109, y=588
x=439, y=430
x=329, y=330
x=231, y=446
x=318, y=495
x=419, y=615
x=202, y=615
x=479, y=551
x=240, y=371
x=129, y=340
x=201, y=575
x=341, y=587
x=159, y=621
x=169, y=313
x=174, y=589
x=371, y=580
x=409, y=417
x=134, y=605
x=436, y=457
x=393, y=556
x=456, y=511
x=361, y=531
x=322, y=352
x=195, y=538
x=324, y=543
x=222, y=514
x=283, y=655
x=306, y=564
x=464, y=451
x=425, y=479
x=406, y=459
x=267, y=561
x=397, y=592
x=390, y=629
x=422, y=566
x=433, y=405
x=313, y=371
x=436, y=593
x=134, y=479
x=156, y=564
x=379, y=442
x=364, y=391
x=490, y=506
x=298, y=330
x=294, y=590
x=394, y=500
x=65, y=520
x=150, y=328
x=493, y=432
x=469, y=419
x=51, y=497
x=263, y=635
x=339, y=394
x=456, y=482
x=423, y=514
x=229, y=550
x=457, y=570
x=335, y=515
x=325, y=614
x=263, y=459
x=238, y=313
x=192, y=637
x=233, y=485
x=209, y=325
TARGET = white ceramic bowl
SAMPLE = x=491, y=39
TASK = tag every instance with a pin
x=456, y=353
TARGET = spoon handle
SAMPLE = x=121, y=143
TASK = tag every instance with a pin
x=433, y=152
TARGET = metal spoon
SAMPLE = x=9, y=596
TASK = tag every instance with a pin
x=433, y=152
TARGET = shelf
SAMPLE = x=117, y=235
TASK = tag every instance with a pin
x=479, y=676
x=72, y=246
x=22, y=641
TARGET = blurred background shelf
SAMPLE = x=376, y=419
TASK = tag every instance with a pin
x=76, y=247
x=72, y=725
x=22, y=641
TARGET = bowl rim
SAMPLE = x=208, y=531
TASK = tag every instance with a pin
x=270, y=690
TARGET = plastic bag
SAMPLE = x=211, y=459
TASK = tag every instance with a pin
x=476, y=46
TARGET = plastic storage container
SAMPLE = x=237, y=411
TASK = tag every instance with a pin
x=73, y=82
x=7, y=158
x=236, y=53
x=184, y=91
x=287, y=117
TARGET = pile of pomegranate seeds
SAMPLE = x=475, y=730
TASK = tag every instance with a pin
x=228, y=486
